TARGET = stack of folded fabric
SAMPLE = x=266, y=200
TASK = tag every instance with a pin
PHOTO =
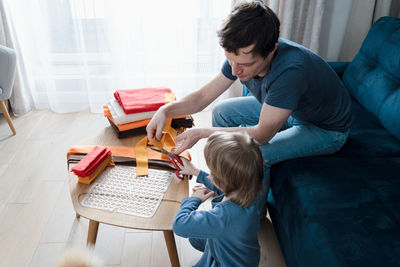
x=131, y=110
x=91, y=166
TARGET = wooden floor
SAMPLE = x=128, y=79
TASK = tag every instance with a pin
x=37, y=220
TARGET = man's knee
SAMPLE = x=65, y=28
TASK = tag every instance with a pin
x=218, y=115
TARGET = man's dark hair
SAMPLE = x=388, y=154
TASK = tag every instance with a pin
x=250, y=23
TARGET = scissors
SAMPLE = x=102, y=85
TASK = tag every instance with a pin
x=174, y=159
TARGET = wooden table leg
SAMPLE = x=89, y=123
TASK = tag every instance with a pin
x=92, y=233
x=171, y=246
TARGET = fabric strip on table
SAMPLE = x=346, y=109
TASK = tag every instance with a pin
x=122, y=151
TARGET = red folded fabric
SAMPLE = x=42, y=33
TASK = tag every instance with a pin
x=91, y=161
x=141, y=100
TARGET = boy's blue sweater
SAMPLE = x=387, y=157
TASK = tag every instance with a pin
x=229, y=231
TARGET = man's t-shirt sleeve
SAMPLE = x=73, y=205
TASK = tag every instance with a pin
x=286, y=91
x=227, y=71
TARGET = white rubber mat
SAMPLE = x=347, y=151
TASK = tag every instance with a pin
x=118, y=189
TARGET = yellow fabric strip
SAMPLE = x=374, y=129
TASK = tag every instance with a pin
x=167, y=139
x=167, y=142
x=142, y=164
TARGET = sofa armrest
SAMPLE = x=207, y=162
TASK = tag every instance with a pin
x=339, y=67
x=8, y=62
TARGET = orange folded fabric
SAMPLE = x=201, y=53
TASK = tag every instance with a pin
x=143, y=99
x=126, y=126
x=131, y=125
x=89, y=179
x=91, y=161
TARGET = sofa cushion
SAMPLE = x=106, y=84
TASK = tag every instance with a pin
x=373, y=77
x=367, y=137
x=337, y=211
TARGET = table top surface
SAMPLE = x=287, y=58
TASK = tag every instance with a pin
x=164, y=216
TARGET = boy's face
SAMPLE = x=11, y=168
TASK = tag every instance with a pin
x=246, y=65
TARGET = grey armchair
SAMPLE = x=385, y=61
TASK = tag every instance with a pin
x=7, y=75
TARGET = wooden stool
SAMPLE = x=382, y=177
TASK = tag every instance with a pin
x=162, y=219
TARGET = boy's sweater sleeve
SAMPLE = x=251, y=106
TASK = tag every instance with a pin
x=189, y=222
x=203, y=179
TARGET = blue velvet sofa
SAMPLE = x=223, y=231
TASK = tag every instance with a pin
x=344, y=209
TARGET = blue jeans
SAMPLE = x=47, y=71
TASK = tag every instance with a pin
x=296, y=138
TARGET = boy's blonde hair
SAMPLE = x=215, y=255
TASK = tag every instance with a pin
x=236, y=165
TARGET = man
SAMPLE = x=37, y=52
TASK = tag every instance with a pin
x=298, y=107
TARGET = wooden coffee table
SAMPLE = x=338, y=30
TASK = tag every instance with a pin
x=162, y=219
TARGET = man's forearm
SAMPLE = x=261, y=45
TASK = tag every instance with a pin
x=188, y=105
x=200, y=99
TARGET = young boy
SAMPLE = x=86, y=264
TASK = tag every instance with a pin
x=227, y=234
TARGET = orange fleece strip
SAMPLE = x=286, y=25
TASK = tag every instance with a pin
x=123, y=151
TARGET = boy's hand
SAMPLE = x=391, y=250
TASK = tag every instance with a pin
x=187, y=168
x=203, y=194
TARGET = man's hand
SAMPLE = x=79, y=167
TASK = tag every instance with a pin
x=188, y=168
x=187, y=140
x=190, y=104
x=203, y=194
x=156, y=125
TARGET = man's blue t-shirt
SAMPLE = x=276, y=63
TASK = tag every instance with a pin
x=301, y=81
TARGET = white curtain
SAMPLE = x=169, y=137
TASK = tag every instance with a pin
x=78, y=52
x=334, y=29
x=24, y=102
x=301, y=20
x=363, y=15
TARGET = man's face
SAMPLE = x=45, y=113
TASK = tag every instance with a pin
x=246, y=65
